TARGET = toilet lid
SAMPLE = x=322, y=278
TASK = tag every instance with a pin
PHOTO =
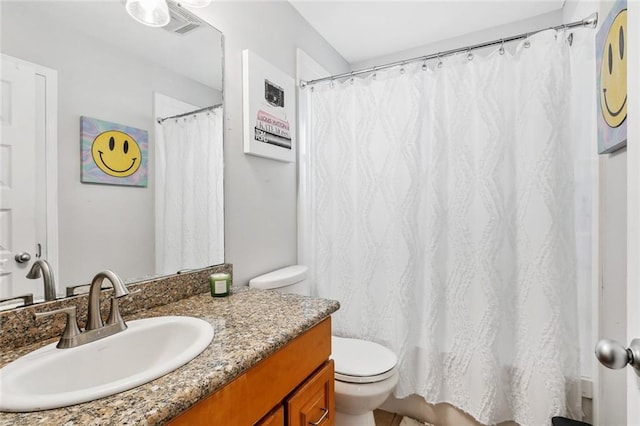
x=279, y=278
x=357, y=359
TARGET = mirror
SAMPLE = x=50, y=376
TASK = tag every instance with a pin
x=67, y=62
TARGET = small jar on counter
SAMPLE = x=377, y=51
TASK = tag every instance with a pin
x=220, y=284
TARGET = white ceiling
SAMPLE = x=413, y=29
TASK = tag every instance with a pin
x=362, y=30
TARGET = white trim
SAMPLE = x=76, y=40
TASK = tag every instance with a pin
x=596, y=279
x=587, y=388
x=51, y=153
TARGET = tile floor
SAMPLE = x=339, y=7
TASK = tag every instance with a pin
x=384, y=418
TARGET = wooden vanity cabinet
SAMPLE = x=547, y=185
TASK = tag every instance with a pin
x=294, y=386
x=314, y=402
x=274, y=418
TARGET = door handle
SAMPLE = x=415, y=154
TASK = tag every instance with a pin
x=614, y=355
x=23, y=257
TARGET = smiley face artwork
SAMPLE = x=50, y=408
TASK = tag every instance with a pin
x=116, y=153
x=112, y=153
x=613, y=72
x=612, y=49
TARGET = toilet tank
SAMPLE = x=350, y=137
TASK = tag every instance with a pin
x=292, y=279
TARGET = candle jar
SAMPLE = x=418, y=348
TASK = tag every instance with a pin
x=220, y=284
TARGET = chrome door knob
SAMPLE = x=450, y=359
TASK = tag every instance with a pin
x=614, y=355
x=23, y=257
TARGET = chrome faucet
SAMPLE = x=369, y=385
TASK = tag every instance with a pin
x=94, y=329
x=94, y=320
x=42, y=268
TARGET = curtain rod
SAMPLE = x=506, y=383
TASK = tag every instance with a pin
x=184, y=114
x=589, y=22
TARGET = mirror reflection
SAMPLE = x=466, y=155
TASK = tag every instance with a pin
x=111, y=150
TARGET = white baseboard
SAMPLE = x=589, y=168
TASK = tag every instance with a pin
x=587, y=388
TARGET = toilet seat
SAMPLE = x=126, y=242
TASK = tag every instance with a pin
x=360, y=361
x=369, y=379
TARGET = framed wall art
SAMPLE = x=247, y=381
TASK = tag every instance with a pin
x=113, y=154
x=611, y=75
x=268, y=105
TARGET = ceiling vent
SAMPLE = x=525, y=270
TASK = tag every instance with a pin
x=182, y=21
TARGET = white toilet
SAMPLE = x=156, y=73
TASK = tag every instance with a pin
x=365, y=372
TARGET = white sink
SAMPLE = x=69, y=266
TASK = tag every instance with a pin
x=50, y=377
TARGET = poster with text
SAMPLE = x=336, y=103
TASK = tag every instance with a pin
x=268, y=97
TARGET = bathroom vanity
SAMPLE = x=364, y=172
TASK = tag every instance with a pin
x=268, y=364
x=294, y=386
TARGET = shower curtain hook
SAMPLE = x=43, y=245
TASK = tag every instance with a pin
x=424, y=65
x=439, y=61
x=375, y=69
x=402, y=68
x=331, y=84
x=352, y=80
x=501, y=46
x=469, y=54
x=527, y=44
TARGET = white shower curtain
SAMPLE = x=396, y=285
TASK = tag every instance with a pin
x=437, y=205
x=189, y=211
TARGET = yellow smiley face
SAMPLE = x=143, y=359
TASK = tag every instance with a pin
x=613, y=72
x=116, y=153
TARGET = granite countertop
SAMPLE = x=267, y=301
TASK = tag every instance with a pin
x=248, y=326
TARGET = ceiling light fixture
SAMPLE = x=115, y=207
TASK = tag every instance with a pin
x=154, y=13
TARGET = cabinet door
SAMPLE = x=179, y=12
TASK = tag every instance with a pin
x=314, y=402
x=274, y=418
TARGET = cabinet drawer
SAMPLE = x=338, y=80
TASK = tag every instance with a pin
x=314, y=402
x=274, y=418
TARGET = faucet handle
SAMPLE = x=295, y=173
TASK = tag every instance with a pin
x=71, y=330
x=114, y=315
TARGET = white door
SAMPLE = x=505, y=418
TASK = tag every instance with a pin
x=23, y=174
x=625, y=390
x=612, y=410
x=633, y=217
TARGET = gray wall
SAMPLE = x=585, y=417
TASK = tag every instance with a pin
x=519, y=27
x=101, y=226
x=260, y=194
